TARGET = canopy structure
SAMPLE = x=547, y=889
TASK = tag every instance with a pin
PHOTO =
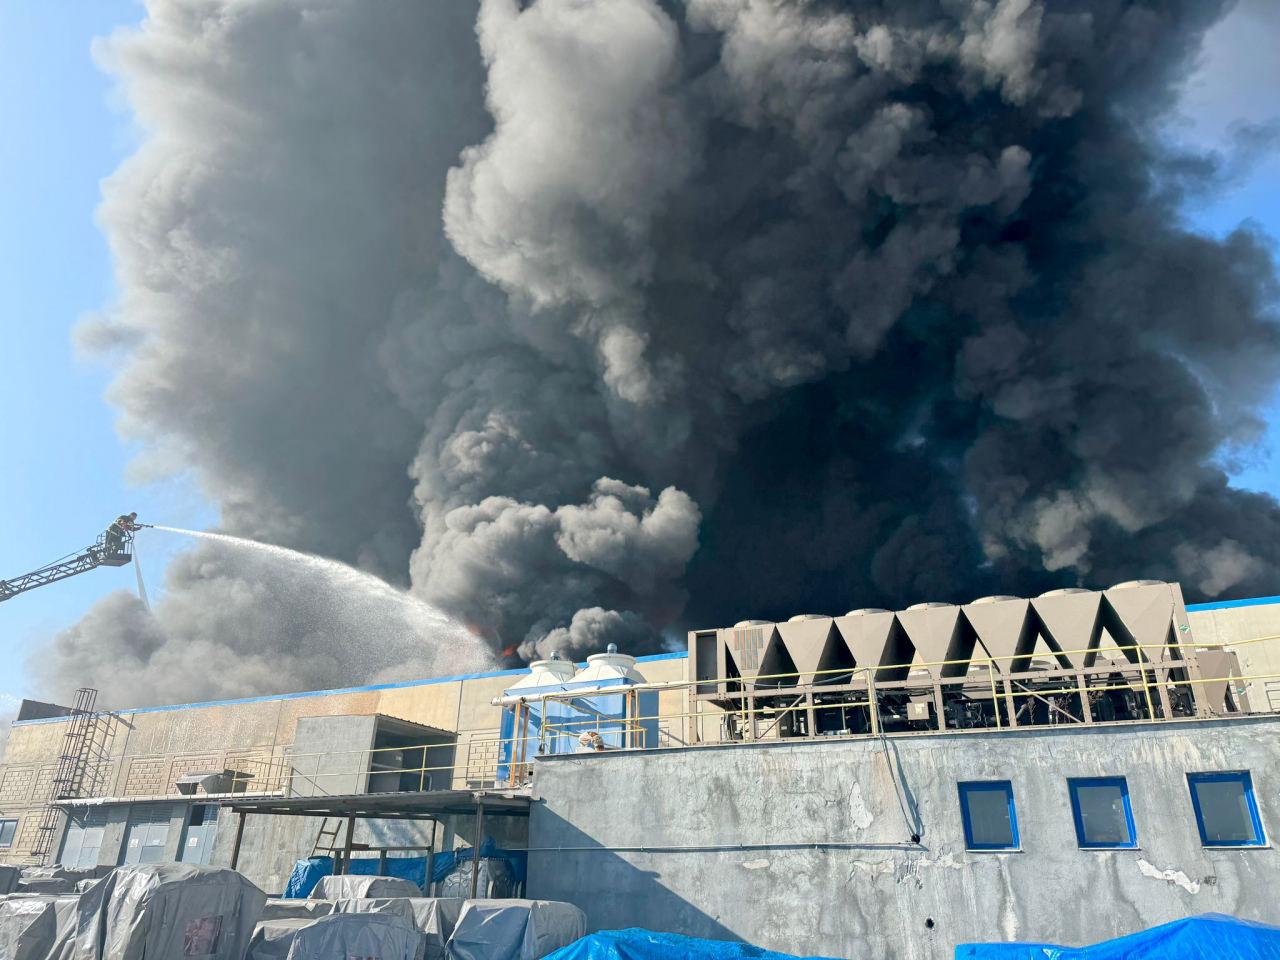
x=406, y=805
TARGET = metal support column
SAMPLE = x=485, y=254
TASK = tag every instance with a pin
x=1162, y=677
x=1082, y=686
x=873, y=705
x=346, y=846
x=1011, y=706
x=475, y=847
x=431, y=855
x=235, y=849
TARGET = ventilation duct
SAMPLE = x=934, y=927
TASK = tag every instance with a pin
x=1139, y=613
x=876, y=639
x=1005, y=630
x=1069, y=621
x=747, y=642
x=807, y=639
x=942, y=637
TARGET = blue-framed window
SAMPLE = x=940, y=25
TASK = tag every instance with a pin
x=990, y=820
x=1103, y=816
x=1226, y=811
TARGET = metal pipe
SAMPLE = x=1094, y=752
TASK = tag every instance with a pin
x=235, y=849
x=729, y=847
x=475, y=846
x=431, y=855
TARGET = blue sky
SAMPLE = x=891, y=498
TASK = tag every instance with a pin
x=64, y=473
x=64, y=469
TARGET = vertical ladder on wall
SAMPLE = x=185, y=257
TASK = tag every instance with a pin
x=84, y=742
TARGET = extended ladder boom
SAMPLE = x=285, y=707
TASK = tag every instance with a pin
x=100, y=554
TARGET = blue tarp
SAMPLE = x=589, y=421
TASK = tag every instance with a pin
x=1212, y=936
x=307, y=873
x=635, y=944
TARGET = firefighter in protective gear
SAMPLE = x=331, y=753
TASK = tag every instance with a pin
x=123, y=524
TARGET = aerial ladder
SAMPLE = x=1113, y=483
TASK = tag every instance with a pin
x=113, y=548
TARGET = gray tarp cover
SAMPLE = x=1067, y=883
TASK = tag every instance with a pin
x=175, y=911
x=352, y=887
x=433, y=917
x=37, y=928
x=272, y=938
x=8, y=879
x=514, y=929
x=375, y=936
x=293, y=909
x=56, y=880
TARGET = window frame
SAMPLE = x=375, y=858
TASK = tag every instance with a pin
x=1245, y=779
x=963, y=789
x=1073, y=785
x=13, y=837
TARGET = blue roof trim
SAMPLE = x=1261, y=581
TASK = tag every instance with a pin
x=679, y=654
x=1227, y=604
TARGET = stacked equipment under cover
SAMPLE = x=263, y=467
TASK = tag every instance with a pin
x=514, y=929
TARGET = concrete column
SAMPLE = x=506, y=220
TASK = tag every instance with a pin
x=178, y=817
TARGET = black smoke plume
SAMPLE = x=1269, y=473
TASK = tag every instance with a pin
x=591, y=319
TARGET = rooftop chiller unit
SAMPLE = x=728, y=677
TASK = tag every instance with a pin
x=1072, y=655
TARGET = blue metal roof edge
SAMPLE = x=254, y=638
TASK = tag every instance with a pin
x=1226, y=604
x=302, y=694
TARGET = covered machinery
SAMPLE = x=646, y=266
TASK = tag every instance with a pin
x=137, y=912
x=514, y=929
x=1069, y=655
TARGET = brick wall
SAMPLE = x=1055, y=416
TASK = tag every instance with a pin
x=148, y=777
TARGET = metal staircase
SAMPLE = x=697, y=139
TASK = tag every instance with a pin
x=83, y=758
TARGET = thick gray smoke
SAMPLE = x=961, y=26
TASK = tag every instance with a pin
x=234, y=622
x=592, y=318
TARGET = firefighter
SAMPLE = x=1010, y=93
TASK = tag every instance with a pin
x=123, y=524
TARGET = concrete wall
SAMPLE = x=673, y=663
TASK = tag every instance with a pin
x=1244, y=629
x=149, y=749
x=804, y=847
x=331, y=755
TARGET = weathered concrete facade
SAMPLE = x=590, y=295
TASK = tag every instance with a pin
x=801, y=845
x=148, y=749
x=806, y=847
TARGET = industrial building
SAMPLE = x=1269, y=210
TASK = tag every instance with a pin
x=1063, y=768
